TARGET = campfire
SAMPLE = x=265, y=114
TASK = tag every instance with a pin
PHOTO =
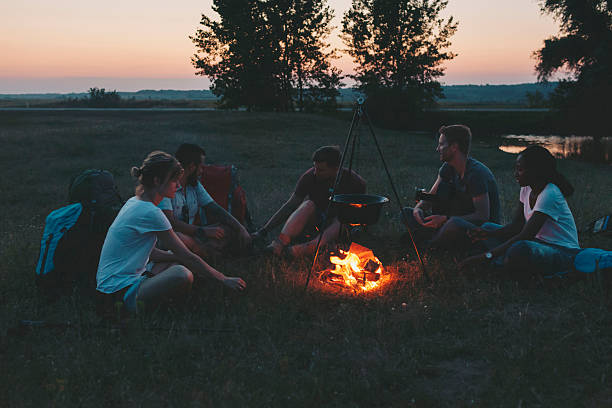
x=358, y=269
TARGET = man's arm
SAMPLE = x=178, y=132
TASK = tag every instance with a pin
x=220, y=214
x=417, y=211
x=482, y=209
x=480, y=214
x=426, y=205
x=283, y=213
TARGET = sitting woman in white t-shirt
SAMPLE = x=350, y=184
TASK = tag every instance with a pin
x=542, y=238
x=130, y=243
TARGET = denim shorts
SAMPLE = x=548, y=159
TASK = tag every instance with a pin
x=131, y=295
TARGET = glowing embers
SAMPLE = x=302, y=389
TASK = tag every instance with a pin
x=359, y=269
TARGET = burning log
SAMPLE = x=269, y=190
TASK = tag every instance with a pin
x=358, y=269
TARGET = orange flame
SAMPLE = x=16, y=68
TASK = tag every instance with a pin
x=356, y=268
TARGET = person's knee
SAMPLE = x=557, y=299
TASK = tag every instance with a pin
x=182, y=276
x=518, y=255
x=308, y=206
x=332, y=231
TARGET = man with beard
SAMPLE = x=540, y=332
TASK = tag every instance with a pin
x=463, y=196
x=218, y=231
x=306, y=208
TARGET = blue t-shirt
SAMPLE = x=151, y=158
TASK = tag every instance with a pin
x=195, y=197
x=128, y=244
x=477, y=180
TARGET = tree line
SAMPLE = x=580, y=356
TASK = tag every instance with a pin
x=277, y=55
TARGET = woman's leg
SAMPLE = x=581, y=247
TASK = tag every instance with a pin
x=172, y=282
x=527, y=259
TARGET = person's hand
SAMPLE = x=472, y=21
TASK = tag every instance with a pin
x=214, y=232
x=435, y=221
x=472, y=260
x=477, y=234
x=418, y=215
x=234, y=283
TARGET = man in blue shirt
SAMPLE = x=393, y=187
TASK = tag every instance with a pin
x=463, y=196
x=192, y=201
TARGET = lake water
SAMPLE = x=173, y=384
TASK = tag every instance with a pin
x=588, y=148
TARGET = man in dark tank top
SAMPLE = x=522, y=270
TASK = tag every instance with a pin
x=306, y=208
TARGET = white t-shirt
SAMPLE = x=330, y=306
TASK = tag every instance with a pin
x=559, y=228
x=195, y=197
x=128, y=244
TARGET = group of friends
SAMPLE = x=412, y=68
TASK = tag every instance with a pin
x=164, y=235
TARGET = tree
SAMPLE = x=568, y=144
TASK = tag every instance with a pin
x=398, y=48
x=99, y=98
x=268, y=54
x=584, y=49
x=536, y=99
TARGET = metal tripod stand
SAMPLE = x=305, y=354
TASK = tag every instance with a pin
x=360, y=114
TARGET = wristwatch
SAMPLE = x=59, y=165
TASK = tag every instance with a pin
x=488, y=255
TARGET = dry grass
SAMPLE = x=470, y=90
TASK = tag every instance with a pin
x=462, y=338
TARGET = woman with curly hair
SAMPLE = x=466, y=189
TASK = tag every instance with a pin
x=542, y=239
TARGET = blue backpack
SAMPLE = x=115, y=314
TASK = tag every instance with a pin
x=73, y=236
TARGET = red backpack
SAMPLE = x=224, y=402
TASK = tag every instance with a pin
x=222, y=184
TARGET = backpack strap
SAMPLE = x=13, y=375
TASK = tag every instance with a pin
x=233, y=185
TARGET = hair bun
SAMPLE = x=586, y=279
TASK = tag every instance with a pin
x=136, y=171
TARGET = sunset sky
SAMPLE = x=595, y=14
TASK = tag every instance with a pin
x=70, y=46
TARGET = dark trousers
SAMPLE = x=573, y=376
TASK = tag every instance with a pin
x=451, y=235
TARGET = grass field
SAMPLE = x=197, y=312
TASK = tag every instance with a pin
x=464, y=338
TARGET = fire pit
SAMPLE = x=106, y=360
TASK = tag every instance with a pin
x=358, y=269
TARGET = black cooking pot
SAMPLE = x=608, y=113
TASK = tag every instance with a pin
x=358, y=209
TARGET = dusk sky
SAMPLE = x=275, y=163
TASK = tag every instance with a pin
x=70, y=46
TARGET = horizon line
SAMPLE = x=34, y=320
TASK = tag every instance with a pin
x=4, y=93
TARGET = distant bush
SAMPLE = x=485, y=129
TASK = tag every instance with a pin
x=537, y=100
x=99, y=98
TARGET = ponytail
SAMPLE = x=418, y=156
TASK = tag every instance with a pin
x=541, y=162
x=159, y=165
x=136, y=172
x=563, y=183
